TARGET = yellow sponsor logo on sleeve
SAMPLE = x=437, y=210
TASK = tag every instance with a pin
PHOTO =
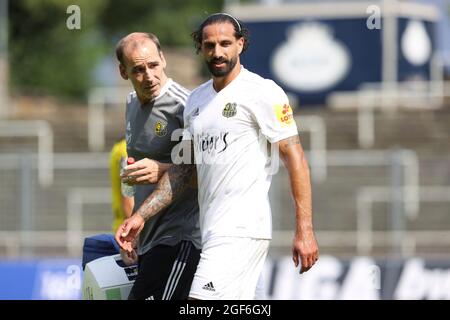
x=284, y=114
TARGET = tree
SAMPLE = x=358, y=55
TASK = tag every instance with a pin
x=172, y=21
x=48, y=58
x=45, y=56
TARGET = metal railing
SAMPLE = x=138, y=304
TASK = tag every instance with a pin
x=316, y=126
x=407, y=159
x=392, y=95
x=43, y=131
x=97, y=99
x=369, y=195
x=14, y=242
x=76, y=198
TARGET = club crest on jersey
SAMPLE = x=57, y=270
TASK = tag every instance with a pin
x=229, y=110
x=161, y=128
x=284, y=114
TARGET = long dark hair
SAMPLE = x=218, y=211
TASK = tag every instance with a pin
x=240, y=31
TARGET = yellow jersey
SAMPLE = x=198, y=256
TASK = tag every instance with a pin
x=118, y=153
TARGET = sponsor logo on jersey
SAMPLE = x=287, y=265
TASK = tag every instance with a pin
x=229, y=110
x=212, y=143
x=161, y=128
x=284, y=114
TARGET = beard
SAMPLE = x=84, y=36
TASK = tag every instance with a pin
x=223, y=71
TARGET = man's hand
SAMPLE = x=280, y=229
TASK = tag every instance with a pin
x=126, y=234
x=129, y=258
x=145, y=171
x=305, y=249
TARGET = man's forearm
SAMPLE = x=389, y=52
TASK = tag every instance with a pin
x=304, y=248
x=164, y=167
x=297, y=166
x=127, y=206
x=301, y=190
x=170, y=186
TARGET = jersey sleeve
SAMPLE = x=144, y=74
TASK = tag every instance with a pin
x=187, y=117
x=179, y=115
x=274, y=114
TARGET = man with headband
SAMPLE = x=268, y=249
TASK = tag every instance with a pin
x=230, y=119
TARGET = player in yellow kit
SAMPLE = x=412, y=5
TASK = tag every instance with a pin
x=122, y=206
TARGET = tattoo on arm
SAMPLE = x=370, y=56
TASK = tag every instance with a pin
x=170, y=186
x=294, y=140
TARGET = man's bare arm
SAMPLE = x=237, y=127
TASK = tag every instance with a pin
x=171, y=185
x=293, y=156
x=127, y=205
x=305, y=245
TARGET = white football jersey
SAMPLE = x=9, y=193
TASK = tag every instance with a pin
x=231, y=130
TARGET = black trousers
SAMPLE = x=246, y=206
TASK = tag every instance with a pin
x=166, y=272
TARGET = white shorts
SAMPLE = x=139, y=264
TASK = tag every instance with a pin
x=229, y=268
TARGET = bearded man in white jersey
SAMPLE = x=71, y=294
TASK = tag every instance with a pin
x=226, y=118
